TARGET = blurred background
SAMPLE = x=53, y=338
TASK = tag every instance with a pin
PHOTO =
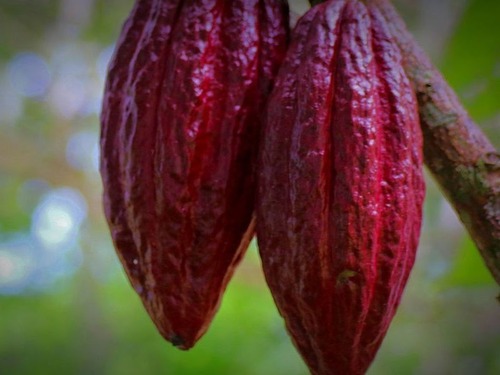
x=65, y=304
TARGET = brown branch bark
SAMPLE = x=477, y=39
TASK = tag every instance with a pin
x=462, y=159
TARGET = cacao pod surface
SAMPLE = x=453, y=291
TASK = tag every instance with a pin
x=180, y=122
x=340, y=191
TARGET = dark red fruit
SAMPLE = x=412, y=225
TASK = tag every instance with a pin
x=340, y=187
x=180, y=123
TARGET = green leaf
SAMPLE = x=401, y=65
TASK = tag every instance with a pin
x=471, y=63
x=468, y=268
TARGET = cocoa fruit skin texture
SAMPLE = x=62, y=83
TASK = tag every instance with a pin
x=181, y=118
x=340, y=189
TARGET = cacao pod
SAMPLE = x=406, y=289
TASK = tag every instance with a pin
x=180, y=124
x=340, y=191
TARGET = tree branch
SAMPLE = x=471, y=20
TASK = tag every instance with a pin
x=462, y=159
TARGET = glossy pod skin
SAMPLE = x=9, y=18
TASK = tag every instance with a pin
x=340, y=186
x=181, y=119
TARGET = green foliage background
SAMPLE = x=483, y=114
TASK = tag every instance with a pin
x=78, y=314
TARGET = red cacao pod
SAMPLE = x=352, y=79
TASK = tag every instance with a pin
x=340, y=186
x=180, y=125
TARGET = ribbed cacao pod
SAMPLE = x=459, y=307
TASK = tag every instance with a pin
x=180, y=121
x=340, y=186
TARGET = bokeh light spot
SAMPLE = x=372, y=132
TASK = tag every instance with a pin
x=13, y=268
x=55, y=225
x=80, y=150
x=16, y=264
x=29, y=74
x=57, y=219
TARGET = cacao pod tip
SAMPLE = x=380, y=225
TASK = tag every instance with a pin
x=178, y=342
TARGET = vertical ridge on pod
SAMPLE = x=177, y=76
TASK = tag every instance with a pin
x=356, y=129
x=118, y=109
x=286, y=89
